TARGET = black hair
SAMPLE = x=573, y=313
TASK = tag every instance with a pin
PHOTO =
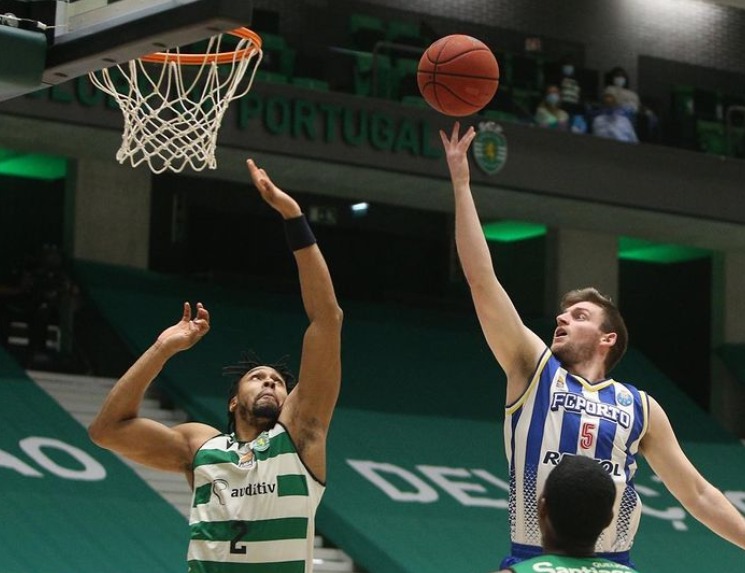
x=579, y=496
x=248, y=361
x=617, y=71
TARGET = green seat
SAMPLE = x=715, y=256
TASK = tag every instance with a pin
x=272, y=77
x=408, y=33
x=311, y=83
x=711, y=137
x=373, y=75
x=278, y=57
x=366, y=31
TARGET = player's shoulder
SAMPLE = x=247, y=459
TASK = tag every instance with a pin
x=197, y=433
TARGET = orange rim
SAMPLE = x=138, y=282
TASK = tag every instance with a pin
x=219, y=58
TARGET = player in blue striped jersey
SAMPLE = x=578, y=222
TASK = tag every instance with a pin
x=257, y=487
x=561, y=402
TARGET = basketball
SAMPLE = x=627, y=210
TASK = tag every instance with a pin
x=458, y=75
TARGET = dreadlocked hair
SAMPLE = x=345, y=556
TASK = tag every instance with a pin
x=248, y=361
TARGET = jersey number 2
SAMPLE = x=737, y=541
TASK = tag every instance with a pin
x=241, y=528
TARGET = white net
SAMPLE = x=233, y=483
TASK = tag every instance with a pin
x=173, y=103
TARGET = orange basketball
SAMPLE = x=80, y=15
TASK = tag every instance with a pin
x=458, y=75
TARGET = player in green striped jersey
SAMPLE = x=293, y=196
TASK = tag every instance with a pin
x=574, y=508
x=257, y=487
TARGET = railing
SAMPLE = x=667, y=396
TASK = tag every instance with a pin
x=729, y=127
x=389, y=46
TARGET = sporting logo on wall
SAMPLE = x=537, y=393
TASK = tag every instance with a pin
x=490, y=148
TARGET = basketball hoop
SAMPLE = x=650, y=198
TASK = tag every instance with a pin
x=171, y=116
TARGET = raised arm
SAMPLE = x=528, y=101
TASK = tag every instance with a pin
x=701, y=499
x=515, y=347
x=119, y=427
x=308, y=409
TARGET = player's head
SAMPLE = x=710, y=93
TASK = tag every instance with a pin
x=589, y=322
x=258, y=391
x=576, y=505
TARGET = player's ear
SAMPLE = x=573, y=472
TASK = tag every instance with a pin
x=609, y=339
x=542, y=509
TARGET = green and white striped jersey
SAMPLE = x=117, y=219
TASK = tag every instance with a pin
x=566, y=564
x=253, y=507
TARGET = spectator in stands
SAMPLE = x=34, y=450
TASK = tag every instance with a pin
x=275, y=431
x=549, y=113
x=612, y=123
x=643, y=119
x=574, y=508
x=619, y=86
x=569, y=88
x=559, y=399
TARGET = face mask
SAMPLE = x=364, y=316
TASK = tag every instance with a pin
x=619, y=81
x=567, y=70
x=552, y=99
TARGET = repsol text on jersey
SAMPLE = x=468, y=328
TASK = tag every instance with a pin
x=578, y=403
x=610, y=466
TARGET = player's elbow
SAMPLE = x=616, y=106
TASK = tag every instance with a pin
x=331, y=317
x=330, y=313
x=100, y=434
x=479, y=277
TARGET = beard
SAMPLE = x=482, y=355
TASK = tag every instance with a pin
x=571, y=354
x=263, y=415
x=266, y=412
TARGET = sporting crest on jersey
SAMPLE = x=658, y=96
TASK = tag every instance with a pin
x=261, y=443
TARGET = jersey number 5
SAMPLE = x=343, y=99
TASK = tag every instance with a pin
x=588, y=437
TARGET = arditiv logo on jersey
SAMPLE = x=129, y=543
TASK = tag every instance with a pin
x=221, y=487
x=254, y=489
x=577, y=403
x=490, y=147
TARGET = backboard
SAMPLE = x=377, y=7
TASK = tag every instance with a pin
x=87, y=35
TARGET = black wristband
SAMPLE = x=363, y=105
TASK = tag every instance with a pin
x=299, y=234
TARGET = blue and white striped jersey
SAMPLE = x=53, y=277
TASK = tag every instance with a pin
x=562, y=414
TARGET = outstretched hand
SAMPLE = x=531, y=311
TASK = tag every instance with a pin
x=273, y=195
x=187, y=332
x=456, y=152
